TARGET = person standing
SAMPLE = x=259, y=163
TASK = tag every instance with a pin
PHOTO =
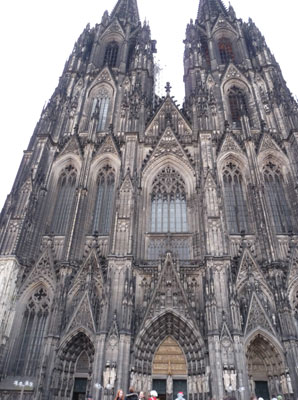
x=141, y=396
x=131, y=395
x=119, y=395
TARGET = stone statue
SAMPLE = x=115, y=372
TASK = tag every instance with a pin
x=289, y=383
x=190, y=386
x=283, y=382
x=113, y=375
x=200, y=384
x=234, y=380
x=106, y=375
x=194, y=386
x=252, y=385
x=206, y=383
x=227, y=380
x=169, y=384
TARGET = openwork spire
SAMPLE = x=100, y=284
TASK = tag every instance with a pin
x=211, y=7
x=127, y=11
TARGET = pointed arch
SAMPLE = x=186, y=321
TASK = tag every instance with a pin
x=99, y=103
x=69, y=353
x=183, y=169
x=29, y=327
x=262, y=348
x=104, y=178
x=275, y=192
x=156, y=330
x=168, y=202
x=233, y=175
x=111, y=54
x=63, y=205
x=103, y=208
x=167, y=362
x=225, y=49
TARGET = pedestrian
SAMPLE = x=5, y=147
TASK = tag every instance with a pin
x=153, y=395
x=131, y=395
x=141, y=396
x=119, y=395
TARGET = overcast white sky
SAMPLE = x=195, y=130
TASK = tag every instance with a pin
x=37, y=37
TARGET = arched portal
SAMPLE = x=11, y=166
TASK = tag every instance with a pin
x=73, y=370
x=169, y=370
x=169, y=336
x=266, y=367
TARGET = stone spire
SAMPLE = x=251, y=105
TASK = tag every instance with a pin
x=127, y=11
x=212, y=8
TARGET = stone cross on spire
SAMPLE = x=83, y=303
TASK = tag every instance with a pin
x=168, y=88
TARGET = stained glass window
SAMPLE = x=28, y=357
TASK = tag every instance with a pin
x=238, y=106
x=168, y=203
x=277, y=200
x=27, y=348
x=234, y=198
x=100, y=109
x=64, y=201
x=104, y=201
x=225, y=50
x=111, y=54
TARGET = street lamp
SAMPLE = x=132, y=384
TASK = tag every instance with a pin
x=23, y=385
x=97, y=387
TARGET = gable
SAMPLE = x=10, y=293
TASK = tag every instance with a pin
x=168, y=145
x=223, y=24
x=230, y=145
x=170, y=114
x=43, y=270
x=169, y=293
x=268, y=143
x=257, y=317
x=248, y=267
x=71, y=146
x=82, y=316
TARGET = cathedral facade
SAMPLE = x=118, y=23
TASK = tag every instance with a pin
x=150, y=245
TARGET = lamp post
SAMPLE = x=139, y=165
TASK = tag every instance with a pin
x=97, y=387
x=22, y=386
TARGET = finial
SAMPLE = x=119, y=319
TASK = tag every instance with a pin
x=168, y=88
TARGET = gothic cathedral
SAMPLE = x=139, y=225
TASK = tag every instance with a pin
x=150, y=245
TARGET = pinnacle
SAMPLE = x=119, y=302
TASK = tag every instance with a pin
x=211, y=7
x=127, y=11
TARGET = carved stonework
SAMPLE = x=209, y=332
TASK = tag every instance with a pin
x=257, y=317
x=82, y=317
x=108, y=146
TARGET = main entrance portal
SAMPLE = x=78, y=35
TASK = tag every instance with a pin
x=169, y=370
x=265, y=367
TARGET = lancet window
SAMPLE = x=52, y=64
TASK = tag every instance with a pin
x=205, y=50
x=235, y=202
x=100, y=109
x=225, y=50
x=28, y=345
x=64, y=200
x=238, y=106
x=168, y=203
x=276, y=197
x=111, y=54
x=103, y=211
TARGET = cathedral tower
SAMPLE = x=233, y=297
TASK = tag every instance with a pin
x=147, y=245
